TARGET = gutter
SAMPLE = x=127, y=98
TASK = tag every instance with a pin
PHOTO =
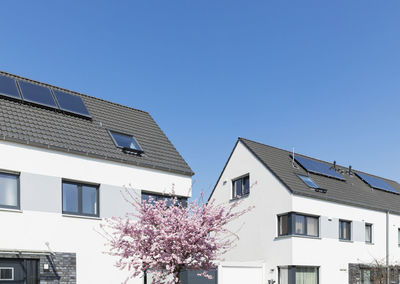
x=26, y=252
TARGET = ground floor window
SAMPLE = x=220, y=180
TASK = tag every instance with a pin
x=365, y=276
x=298, y=275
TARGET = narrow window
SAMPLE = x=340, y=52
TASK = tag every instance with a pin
x=80, y=199
x=9, y=191
x=240, y=187
x=283, y=225
x=6, y=273
x=344, y=230
x=398, y=236
x=368, y=233
x=300, y=225
x=365, y=276
x=283, y=275
x=312, y=226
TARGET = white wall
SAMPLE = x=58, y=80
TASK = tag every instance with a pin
x=41, y=219
x=259, y=239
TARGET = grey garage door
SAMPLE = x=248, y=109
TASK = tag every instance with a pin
x=19, y=271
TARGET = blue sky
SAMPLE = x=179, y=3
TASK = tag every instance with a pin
x=322, y=76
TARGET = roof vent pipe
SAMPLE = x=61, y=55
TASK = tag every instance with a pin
x=334, y=165
x=350, y=173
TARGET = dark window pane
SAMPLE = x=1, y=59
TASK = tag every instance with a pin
x=70, y=198
x=8, y=87
x=89, y=200
x=246, y=185
x=300, y=225
x=6, y=273
x=71, y=103
x=283, y=225
x=8, y=190
x=368, y=233
x=344, y=230
x=37, y=94
x=125, y=141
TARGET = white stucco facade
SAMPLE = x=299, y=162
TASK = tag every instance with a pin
x=40, y=217
x=260, y=243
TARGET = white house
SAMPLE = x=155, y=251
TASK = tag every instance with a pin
x=313, y=221
x=64, y=158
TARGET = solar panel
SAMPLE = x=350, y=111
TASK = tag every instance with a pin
x=71, y=103
x=8, y=87
x=377, y=183
x=37, y=94
x=318, y=167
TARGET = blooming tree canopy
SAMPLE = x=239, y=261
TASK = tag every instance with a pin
x=166, y=237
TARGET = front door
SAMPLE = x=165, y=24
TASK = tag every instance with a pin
x=19, y=271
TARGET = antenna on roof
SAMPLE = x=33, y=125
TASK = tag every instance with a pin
x=293, y=164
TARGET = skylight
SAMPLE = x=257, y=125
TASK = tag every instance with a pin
x=126, y=142
x=308, y=181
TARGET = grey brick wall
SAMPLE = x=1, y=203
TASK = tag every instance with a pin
x=356, y=268
x=61, y=266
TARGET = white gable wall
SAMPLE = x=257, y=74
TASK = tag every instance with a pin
x=258, y=228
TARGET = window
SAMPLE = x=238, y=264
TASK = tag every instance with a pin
x=156, y=197
x=9, y=191
x=308, y=181
x=240, y=187
x=298, y=224
x=365, y=276
x=368, y=233
x=298, y=275
x=80, y=199
x=398, y=236
x=6, y=273
x=344, y=230
x=126, y=142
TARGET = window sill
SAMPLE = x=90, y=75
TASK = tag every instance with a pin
x=346, y=241
x=239, y=198
x=11, y=210
x=369, y=243
x=82, y=217
x=298, y=236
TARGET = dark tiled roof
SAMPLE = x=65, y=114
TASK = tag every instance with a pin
x=352, y=191
x=41, y=127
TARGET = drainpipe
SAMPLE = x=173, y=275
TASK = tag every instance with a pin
x=387, y=249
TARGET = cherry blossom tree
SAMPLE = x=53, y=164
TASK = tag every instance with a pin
x=165, y=237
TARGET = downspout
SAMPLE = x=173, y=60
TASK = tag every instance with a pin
x=387, y=249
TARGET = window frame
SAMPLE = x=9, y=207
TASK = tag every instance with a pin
x=234, y=192
x=350, y=230
x=80, y=197
x=12, y=273
x=292, y=272
x=291, y=220
x=18, y=206
x=138, y=151
x=370, y=233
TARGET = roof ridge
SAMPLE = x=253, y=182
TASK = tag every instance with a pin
x=319, y=160
x=64, y=89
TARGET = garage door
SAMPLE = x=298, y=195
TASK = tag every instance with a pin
x=19, y=271
x=239, y=274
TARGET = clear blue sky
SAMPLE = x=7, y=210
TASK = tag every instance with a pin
x=323, y=76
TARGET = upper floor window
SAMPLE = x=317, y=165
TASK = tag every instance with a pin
x=298, y=224
x=156, y=197
x=368, y=233
x=344, y=230
x=80, y=199
x=241, y=187
x=9, y=191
